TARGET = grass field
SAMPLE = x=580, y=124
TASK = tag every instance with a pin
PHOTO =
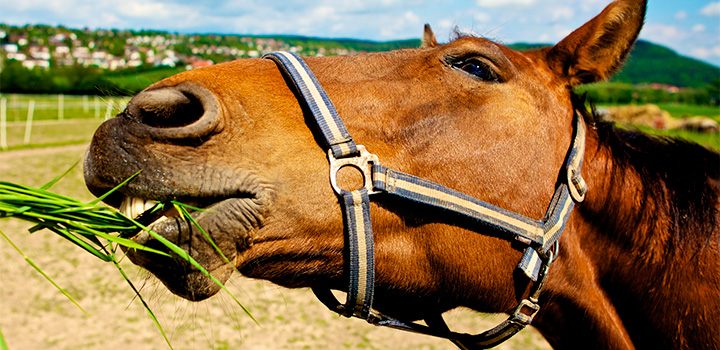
x=139, y=81
x=52, y=133
x=80, y=117
x=708, y=140
x=47, y=107
x=682, y=111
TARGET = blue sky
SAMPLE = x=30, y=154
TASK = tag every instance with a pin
x=692, y=27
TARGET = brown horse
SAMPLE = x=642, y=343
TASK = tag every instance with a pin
x=639, y=261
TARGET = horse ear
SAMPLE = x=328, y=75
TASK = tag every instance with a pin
x=428, y=37
x=595, y=51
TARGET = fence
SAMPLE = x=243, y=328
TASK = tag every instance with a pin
x=27, y=112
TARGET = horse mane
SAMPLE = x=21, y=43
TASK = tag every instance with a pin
x=678, y=177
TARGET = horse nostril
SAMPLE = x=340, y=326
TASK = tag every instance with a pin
x=183, y=111
x=165, y=108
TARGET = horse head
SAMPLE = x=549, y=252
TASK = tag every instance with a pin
x=496, y=124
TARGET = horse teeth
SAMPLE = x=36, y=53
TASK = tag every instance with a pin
x=133, y=207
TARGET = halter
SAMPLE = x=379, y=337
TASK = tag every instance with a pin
x=541, y=237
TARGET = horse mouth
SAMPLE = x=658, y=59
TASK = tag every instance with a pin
x=173, y=219
x=217, y=231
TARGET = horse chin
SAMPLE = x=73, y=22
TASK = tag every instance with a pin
x=182, y=279
x=229, y=224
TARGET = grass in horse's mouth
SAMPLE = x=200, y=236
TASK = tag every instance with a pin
x=99, y=229
x=149, y=212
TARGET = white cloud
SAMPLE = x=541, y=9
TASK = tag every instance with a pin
x=410, y=17
x=404, y=23
x=482, y=17
x=500, y=3
x=681, y=15
x=704, y=52
x=562, y=31
x=663, y=32
x=698, y=28
x=445, y=24
x=143, y=9
x=322, y=12
x=712, y=9
x=562, y=13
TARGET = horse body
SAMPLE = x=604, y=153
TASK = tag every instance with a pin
x=637, y=265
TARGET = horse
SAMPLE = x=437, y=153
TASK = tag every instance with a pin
x=637, y=264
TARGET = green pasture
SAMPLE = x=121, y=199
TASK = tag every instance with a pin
x=132, y=83
x=48, y=107
x=683, y=111
x=678, y=110
x=79, y=118
x=51, y=133
x=708, y=140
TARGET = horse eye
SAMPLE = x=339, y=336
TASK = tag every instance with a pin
x=478, y=69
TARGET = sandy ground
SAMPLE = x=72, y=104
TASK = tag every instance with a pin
x=34, y=315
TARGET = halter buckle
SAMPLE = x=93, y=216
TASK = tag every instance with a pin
x=523, y=318
x=363, y=162
x=576, y=184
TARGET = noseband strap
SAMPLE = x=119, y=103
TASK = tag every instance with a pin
x=541, y=237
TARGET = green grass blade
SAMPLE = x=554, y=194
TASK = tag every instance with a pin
x=58, y=178
x=80, y=243
x=93, y=234
x=187, y=206
x=181, y=209
x=186, y=256
x=142, y=300
x=3, y=344
x=98, y=230
x=41, y=272
x=101, y=198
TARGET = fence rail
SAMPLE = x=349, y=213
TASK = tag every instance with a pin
x=27, y=111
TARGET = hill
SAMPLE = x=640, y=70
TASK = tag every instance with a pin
x=652, y=63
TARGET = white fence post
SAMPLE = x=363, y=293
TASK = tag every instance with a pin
x=29, y=121
x=108, y=110
x=61, y=107
x=96, y=102
x=3, y=124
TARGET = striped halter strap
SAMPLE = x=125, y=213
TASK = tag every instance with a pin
x=540, y=237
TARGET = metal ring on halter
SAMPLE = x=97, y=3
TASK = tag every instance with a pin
x=363, y=162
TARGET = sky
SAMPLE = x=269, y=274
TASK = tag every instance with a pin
x=691, y=27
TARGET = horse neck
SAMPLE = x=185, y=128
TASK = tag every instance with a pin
x=648, y=228
x=654, y=198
